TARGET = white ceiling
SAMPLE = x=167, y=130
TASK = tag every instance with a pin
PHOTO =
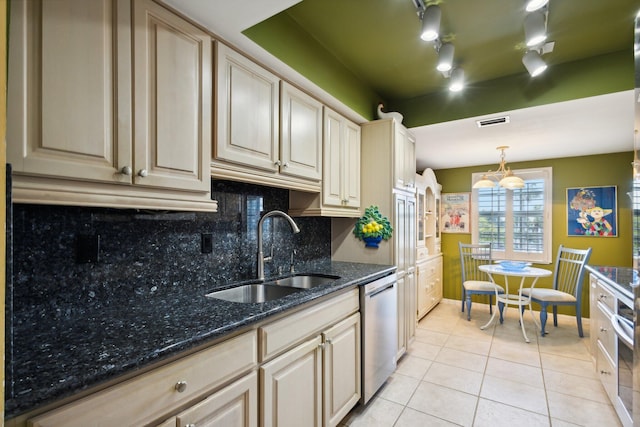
x=602, y=124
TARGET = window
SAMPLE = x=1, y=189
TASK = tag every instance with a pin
x=516, y=222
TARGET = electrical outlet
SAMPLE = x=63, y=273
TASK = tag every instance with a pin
x=87, y=248
x=206, y=243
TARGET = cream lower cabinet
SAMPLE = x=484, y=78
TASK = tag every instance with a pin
x=314, y=380
x=317, y=382
x=84, y=129
x=402, y=324
x=429, y=284
x=144, y=400
x=234, y=406
x=267, y=131
x=603, y=304
x=300, y=370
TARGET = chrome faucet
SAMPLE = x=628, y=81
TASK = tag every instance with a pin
x=261, y=258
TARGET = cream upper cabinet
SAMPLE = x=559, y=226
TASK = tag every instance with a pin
x=340, y=196
x=404, y=158
x=172, y=99
x=265, y=134
x=300, y=134
x=247, y=126
x=71, y=135
x=69, y=89
x=341, y=180
x=428, y=194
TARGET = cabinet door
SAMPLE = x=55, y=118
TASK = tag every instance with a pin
x=292, y=387
x=400, y=135
x=69, y=89
x=247, y=99
x=341, y=369
x=332, y=179
x=301, y=134
x=402, y=330
x=341, y=163
x=411, y=315
x=234, y=406
x=351, y=164
x=422, y=278
x=400, y=232
x=409, y=168
x=173, y=80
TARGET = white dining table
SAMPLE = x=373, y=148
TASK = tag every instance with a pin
x=516, y=299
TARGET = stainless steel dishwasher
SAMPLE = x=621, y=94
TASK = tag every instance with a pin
x=379, y=311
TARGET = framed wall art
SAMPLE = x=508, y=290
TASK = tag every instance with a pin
x=592, y=211
x=455, y=213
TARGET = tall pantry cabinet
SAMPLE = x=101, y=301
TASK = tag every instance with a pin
x=387, y=181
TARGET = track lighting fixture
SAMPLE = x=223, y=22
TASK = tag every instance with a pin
x=532, y=5
x=457, y=80
x=534, y=64
x=535, y=29
x=431, y=23
x=445, y=57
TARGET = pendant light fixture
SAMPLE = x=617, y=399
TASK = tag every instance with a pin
x=503, y=176
x=431, y=23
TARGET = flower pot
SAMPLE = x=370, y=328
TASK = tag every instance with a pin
x=372, y=242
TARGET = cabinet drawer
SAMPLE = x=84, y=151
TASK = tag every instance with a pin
x=422, y=253
x=606, y=371
x=277, y=336
x=605, y=296
x=606, y=334
x=142, y=399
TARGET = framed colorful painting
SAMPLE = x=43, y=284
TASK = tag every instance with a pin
x=592, y=211
x=455, y=213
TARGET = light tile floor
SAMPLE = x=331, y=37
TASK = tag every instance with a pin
x=455, y=374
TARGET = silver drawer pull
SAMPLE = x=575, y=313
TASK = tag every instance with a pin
x=602, y=372
x=602, y=296
x=126, y=170
x=181, y=386
x=602, y=329
x=142, y=173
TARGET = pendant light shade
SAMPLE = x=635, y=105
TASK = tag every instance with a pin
x=531, y=5
x=457, y=80
x=431, y=23
x=445, y=57
x=534, y=64
x=535, y=31
x=503, y=176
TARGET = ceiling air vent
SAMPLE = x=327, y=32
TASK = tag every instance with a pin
x=493, y=122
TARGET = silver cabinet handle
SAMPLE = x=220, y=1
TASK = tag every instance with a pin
x=190, y=425
x=286, y=164
x=181, y=386
x=142, y=173
x=126, y=170
x=602, y=296
x=277, y=163
x=328, y=341
x=603, y=329
x=605, y=372
x=321, y=345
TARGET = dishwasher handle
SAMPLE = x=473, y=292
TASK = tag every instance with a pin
x=380, y=290
x=623, y=329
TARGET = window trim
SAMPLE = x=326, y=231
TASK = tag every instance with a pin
x=545, y=257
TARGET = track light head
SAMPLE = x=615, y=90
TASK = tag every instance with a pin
x=457, y=80
x=532, y=5
x=431, y=23
x=535, y=30
x=534, y=64
x=445, y=57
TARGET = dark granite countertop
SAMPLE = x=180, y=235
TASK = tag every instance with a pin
x=90, y=345
x=621, y=279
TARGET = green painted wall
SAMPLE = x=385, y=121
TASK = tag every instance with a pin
x=587, y=171
x=579, y=79
x=284, y=39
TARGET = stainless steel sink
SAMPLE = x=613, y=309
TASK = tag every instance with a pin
x=305, y=281
x=255, y=293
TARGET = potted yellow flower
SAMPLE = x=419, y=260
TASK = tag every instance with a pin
x=372, y=227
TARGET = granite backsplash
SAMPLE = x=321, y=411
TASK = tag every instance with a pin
x=142, y=252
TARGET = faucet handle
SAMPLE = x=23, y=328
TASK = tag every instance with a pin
x=270, y=257
x=292, y=268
